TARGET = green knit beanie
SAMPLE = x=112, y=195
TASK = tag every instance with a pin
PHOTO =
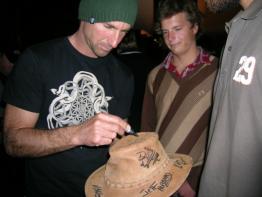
x=108, y=10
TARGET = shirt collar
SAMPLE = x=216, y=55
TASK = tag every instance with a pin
x=250, y=13
x=202, y=58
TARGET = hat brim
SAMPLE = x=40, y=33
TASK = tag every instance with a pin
x=165, y=184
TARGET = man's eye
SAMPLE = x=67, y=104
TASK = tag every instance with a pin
x=164, y=32
x=108, y=26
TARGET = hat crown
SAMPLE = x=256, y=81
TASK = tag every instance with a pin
x=135, y=160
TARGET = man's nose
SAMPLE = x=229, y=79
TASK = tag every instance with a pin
x=115, y=39
x=171, y=36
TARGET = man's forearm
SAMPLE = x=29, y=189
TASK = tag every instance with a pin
x=28, y=142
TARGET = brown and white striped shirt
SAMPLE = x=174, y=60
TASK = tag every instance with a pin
x=178, y=109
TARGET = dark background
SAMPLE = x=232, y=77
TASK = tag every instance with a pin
x=28, y=22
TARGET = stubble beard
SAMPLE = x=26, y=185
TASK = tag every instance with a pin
x=98, y=52
x=217, y=6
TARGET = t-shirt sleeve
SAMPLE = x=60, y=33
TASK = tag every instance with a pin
x=23, y=88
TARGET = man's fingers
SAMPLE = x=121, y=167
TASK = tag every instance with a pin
x=113, y=123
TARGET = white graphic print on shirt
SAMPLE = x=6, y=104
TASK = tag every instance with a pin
x=77, y=101
x=245, y=73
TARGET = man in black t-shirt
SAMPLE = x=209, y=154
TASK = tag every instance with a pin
x=68, y=99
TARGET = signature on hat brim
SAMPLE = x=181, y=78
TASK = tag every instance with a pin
x=164, y=184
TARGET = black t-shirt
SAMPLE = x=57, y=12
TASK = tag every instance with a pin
x=67, y=88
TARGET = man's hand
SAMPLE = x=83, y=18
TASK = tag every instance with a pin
x=102, y=129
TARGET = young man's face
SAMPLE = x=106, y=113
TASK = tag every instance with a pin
x=101, y=38
x=178, y=33
x=221, y=5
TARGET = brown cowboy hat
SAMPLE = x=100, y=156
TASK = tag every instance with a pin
x=139, y=166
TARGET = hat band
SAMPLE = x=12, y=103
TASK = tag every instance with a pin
x=166, y=163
